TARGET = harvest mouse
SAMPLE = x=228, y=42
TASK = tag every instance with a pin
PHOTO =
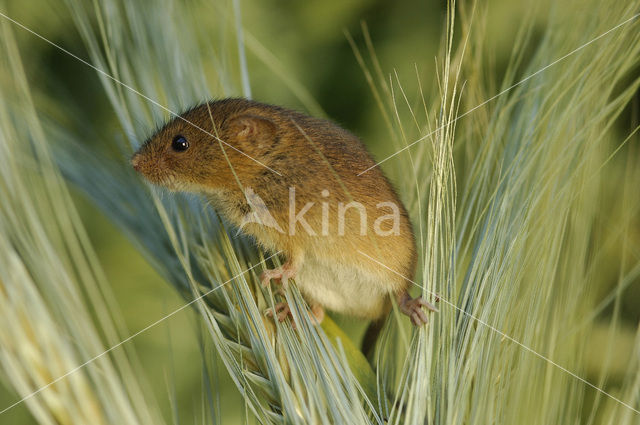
x=291, y=182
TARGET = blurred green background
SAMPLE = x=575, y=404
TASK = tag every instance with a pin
x=309, y=42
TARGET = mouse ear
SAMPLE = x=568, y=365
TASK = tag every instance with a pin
x=254, y=132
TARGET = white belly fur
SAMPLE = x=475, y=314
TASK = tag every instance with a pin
x=342, y=288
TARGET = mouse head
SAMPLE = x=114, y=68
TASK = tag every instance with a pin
x=196, y=151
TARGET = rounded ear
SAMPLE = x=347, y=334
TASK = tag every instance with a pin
x=253, y=131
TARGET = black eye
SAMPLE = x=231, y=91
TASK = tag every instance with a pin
x=179, y=144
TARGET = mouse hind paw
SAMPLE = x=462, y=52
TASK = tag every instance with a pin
x=413, y=307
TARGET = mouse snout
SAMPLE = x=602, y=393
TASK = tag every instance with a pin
x=135, y=162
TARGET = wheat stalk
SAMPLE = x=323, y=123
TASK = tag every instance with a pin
x=510, y=236
x=49, y=280
x=300, y=377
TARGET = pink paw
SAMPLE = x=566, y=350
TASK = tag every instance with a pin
x=413, y=309
x=281, y=274
x=281, y=311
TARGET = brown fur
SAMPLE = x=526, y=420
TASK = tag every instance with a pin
x=328, y=157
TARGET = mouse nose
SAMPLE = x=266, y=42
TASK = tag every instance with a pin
x=135, y=162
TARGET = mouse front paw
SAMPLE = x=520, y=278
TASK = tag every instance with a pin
x=282, y=274
x=282, y=310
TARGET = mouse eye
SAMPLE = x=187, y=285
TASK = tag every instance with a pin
x=179, y=144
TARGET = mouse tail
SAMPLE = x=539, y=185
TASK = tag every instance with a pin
x=372, y=334
x=371, y=337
